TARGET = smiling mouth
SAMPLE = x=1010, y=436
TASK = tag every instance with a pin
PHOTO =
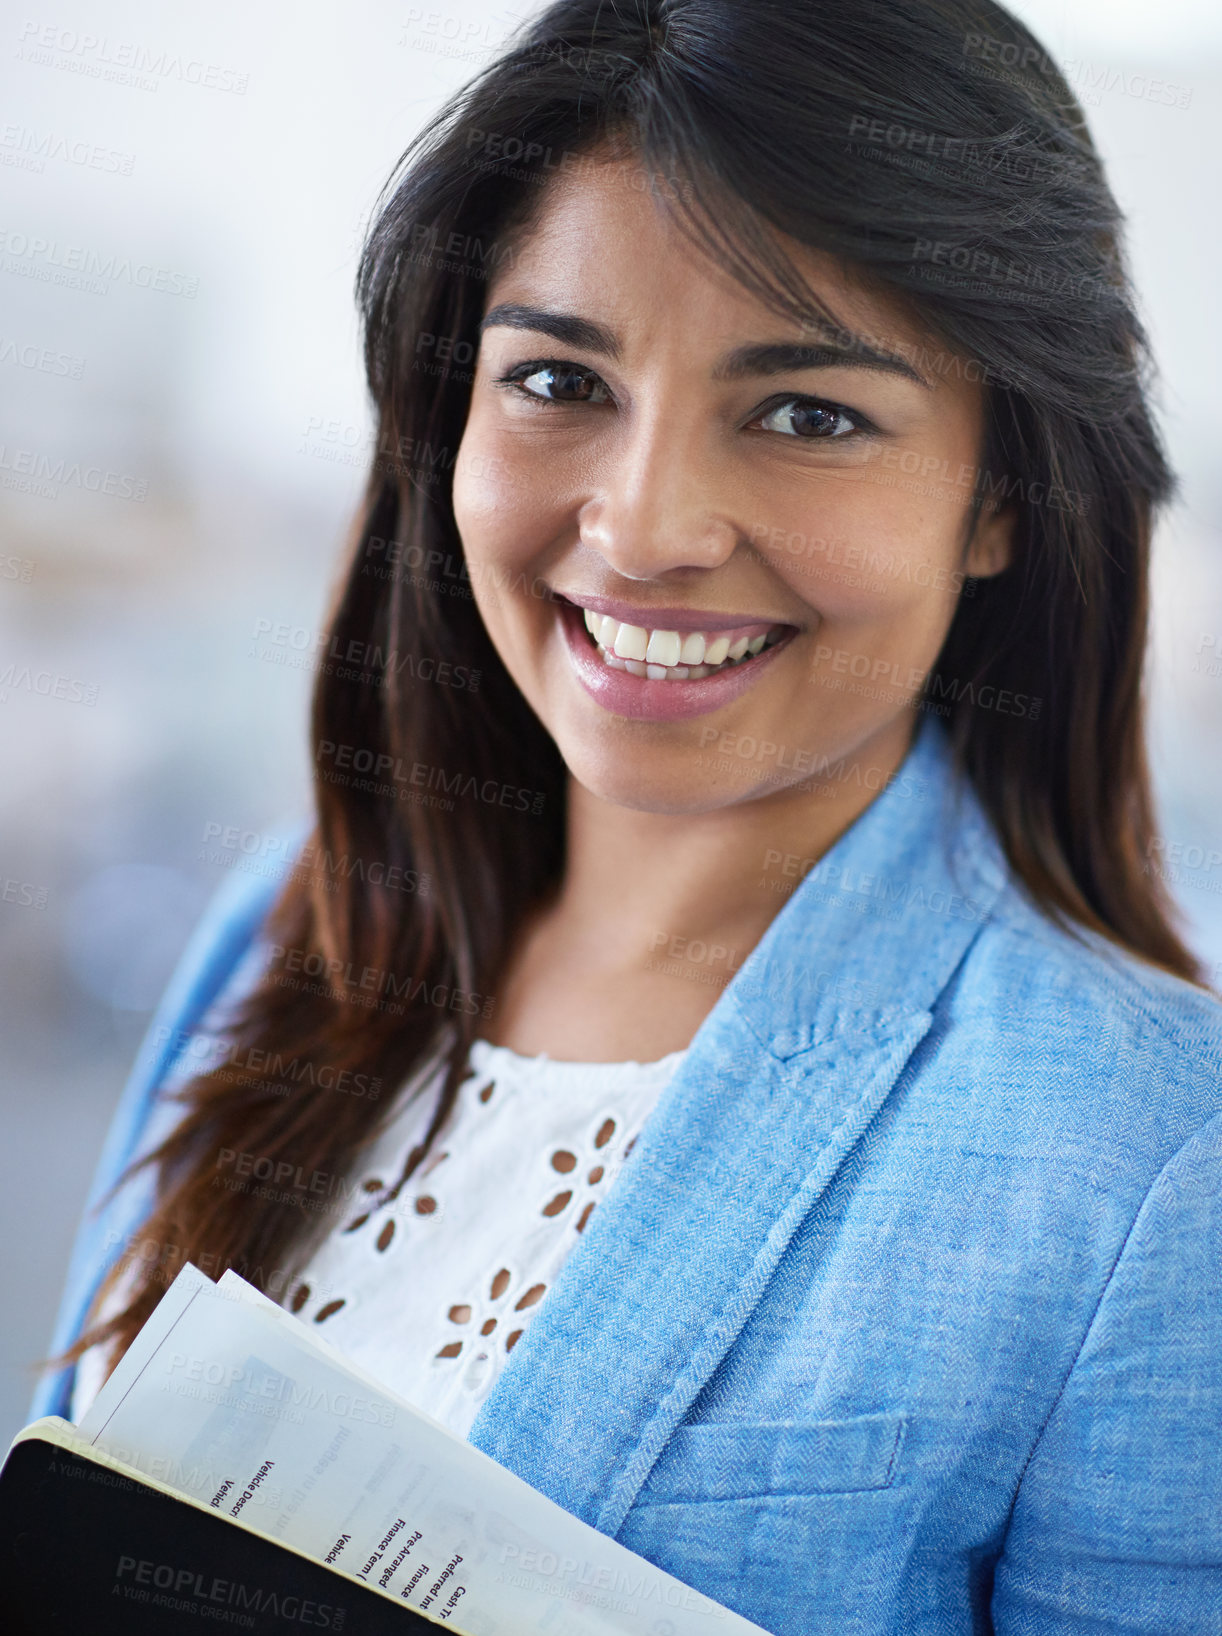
x=668, y=655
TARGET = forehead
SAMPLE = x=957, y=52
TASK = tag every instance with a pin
x=599, y=237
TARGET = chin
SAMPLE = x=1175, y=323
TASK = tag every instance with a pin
x=656, y=782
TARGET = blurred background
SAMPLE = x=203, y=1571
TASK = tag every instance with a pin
x=199, y=405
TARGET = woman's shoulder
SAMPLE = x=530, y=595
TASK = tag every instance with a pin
x=222, y=961
x=1090, y=1014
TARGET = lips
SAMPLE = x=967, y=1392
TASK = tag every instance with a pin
x=638, y=670
x=671, y=618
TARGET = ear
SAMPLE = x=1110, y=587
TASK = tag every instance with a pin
x=991, y=547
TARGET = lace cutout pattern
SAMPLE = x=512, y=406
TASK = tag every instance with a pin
x=431, y=1282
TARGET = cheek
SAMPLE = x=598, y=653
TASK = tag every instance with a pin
x=866, y=550
x=504, y=506
x=487, y=494
x=486, y=503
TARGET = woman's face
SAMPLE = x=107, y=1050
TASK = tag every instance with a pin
x=654, y=481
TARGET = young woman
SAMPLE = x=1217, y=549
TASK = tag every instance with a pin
x=798, y=1142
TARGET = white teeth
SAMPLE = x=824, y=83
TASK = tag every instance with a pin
x=663, y=648
x=630, y=641
x=666, y=655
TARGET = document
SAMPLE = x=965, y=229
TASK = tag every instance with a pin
x=228, y=1400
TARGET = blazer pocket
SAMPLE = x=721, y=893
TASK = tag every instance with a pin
x=731, y=1460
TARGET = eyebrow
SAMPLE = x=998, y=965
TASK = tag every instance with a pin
x=846, y=351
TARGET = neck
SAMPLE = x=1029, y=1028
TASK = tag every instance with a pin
x=637, y=879
x=650, y=898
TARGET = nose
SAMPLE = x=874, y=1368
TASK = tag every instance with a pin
x=660, y=502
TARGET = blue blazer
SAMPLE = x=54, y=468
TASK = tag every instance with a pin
x=905, y=1314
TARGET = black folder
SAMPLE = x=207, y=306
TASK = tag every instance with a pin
x=90, y=1549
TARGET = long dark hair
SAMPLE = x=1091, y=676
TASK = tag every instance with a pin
x=933, y=146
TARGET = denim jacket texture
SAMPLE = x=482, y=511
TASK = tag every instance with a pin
x=905, y=1314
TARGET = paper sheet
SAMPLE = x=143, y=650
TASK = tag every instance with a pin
x=230, y=1399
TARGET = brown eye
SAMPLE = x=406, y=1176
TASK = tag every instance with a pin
x=806, y=418
x=563, y=383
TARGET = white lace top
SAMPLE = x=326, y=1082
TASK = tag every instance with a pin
x=430, y=1289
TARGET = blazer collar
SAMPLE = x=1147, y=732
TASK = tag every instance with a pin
x=780, y=1081
x=876, y=927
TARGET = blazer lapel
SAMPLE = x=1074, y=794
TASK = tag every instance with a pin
x=779, y=1083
